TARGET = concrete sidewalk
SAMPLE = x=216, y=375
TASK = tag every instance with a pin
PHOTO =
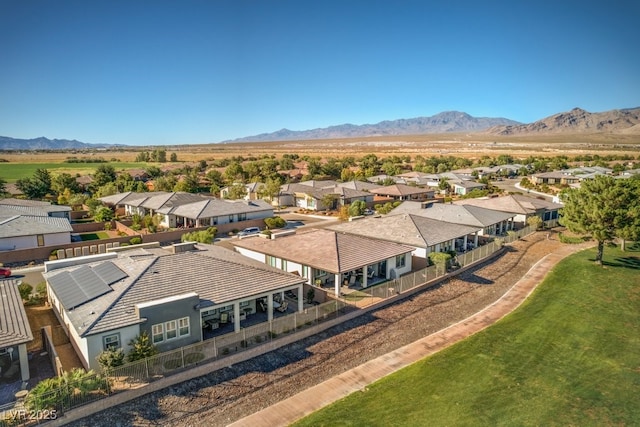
x=304, y=403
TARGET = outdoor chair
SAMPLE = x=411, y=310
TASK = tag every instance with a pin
x=224, y=317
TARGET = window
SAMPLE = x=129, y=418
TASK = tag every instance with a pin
x=284, y=264
x=157, y=333
x=271, y=260
x=171, y=329
x=244, y=304
x=242, y=217
x=111, y=342
x=40, y=238
x=230, y=218
x=401, y=260
x=183, y=325
x=305, y=271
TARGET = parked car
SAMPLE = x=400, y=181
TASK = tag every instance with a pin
x=368, y=212
x=249, y=231
x=5, y=272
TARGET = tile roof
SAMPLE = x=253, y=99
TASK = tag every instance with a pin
x=514, y=203
x=400, y=190
x=216, y=207
x=25, y=225
x=36, y=204
x=359, y=185
x=216, y=274
x=458, y=214
x=14, y=325
x=326, y=250
x=408, y=229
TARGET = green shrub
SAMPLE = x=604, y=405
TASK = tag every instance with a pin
x=110, y=359
x=571, y=240
x=141, y=347
x=275, y=222
x=135, y=240
x=25, y=291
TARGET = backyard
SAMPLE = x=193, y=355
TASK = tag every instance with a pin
x=568, y=356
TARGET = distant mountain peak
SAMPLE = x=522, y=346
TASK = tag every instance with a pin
x=578, y=120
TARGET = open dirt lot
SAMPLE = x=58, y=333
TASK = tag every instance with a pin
x=469, y=145
x=230, y=394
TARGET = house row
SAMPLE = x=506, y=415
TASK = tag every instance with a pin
x=180, y=294
x=181, y=209
x=569, y=176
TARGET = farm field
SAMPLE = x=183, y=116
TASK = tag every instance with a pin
x=12, y=171
x=568, y=356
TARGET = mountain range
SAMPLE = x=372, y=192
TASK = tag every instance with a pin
x=445, y=122
x=42, y=143
x=623, y=121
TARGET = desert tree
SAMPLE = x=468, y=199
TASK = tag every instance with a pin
x=603, y=208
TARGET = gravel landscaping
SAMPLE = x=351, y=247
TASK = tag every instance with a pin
x=232, y=393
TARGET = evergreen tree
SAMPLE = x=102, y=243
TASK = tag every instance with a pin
x=603, y=208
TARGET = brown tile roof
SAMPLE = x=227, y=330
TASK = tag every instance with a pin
x=326, y=249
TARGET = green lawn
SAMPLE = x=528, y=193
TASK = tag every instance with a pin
x=569, y=356
x=94, y=236
x=11, y=172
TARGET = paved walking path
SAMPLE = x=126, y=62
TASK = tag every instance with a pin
x=304, y=403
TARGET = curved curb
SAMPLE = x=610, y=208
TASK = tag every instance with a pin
x=304, y=403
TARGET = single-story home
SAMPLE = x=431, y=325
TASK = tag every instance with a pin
x=462, y=188
x=106, y=300
x=321, y=195
x=30, y=206
x=181, y=209
x=492, y=222
x=523, y=207
x=15, y=333
x=425, y=235
x=327, y=258
x=404, y=192
x=27, y=231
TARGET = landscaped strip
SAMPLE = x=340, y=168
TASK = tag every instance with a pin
x=569, y=356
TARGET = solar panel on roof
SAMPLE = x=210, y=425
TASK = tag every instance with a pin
x=85, y=283
x=109, y=272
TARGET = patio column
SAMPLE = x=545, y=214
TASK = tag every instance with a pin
x=301, y=298
x=24, y=362
x=236, y=317
x=365, y=274
x=270, y=307
x=464, y=243
x=337, y=282
x=475, y=239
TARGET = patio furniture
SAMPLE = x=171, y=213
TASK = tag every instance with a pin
x=224, y=318
x=283, y=307
x=263, y=307
x=211, y=324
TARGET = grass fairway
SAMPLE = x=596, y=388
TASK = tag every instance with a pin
x=570, y=355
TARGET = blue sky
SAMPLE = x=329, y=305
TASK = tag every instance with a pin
x=179, y=72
